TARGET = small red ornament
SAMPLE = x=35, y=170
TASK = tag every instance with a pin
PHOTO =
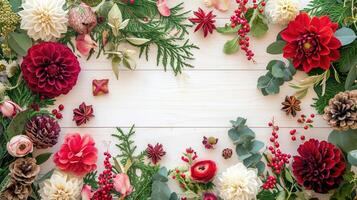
x=204, y=21
x=154, y=153
x=100, y=87
x=82, y=114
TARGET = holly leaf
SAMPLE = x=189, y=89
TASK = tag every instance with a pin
x=227, y=29
x=231, y=46
x=259, y=26
x=276, y=47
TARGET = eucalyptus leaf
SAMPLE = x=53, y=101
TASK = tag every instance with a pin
x=345, y=35
x=346, y=140
x=17, y=125
x=19, y=42
x=256, y=146
x=352, y=157
x=137, y=41
x=252, y=160
x=42, y=158
x=161, y=175
x=231, y=46
x=16, y=5
x=276, y=47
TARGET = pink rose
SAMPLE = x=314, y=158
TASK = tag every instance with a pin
x=19, y=146
x=85, y=44
x=9, y=108
x=86, y=193
x=203, y=171
x=122, y=184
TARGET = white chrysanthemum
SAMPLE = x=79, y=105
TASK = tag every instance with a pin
x=44, y=19
x=61, y=186
x=281, y=11
x=238, y=182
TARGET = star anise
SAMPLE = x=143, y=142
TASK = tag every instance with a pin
x=154, y=153
x=291, y=105
x=204, y=21
x=82, y=114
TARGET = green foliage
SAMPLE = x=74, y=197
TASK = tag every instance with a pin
x=160, y=188
x=19, y=42
x=142, y=183
x=276, y=76
x=337, y=10
x=267, y=195
x=352, y=157
x=351, y=78
x=332, y=88
x=42, y=158
x=346, y=140
x=231, y=46
x=17, y=125
x=91, y=180
x=347, y=189
x=276, y=47
x=259, y=25
x=348, y=58
x=247, y=148
x=227, y=29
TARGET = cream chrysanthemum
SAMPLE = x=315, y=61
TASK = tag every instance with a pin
x=44, y=19
x=61, y=186
x=281, y=11
x=238, y=182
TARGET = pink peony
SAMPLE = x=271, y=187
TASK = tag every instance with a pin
x=122, y=184
x=77, y=155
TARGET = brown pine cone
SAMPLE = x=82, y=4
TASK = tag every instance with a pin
x=341, y=112
x=43, y=131
x=24, y=170
x=16, y=191
x=291, y=105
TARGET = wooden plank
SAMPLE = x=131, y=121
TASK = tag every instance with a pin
x=193, y=99
x=175, y=140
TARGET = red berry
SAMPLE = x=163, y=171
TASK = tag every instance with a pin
x=272, y=139
x=263, y=3
x=276, y=144
x=293, y=138
x=302, y=137
x=306, y=127
x=61, y=107
x=59, y=116
x=312, y=115
x=292, y=132
x=54, y=111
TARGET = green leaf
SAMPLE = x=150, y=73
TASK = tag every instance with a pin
x=281, y=195
x=17, y=125
x=259, y=26
x=351, y=77
x=352, y=157
x=42, y=158
x=278, y=69
x=276, y=47
x=260, y=166
x=241, y=136
x=46, y=176
x=267, y=195
x=19, y=42
x=256, y=146
x=231, y=46
x=137, y=41
x=4, y=183
x=227, y=29
x=252, y=160
x=269, y=84
x=348, y=57
x=288, y=176
x=345, y=35
x=161, y=175
x=346, y=140
x=16, y=5
x=116, y=60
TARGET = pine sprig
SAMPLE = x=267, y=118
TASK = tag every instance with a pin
x=142, y=183
x=348, y=58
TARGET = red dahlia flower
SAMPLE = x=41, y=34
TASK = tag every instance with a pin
x=77, y=155
x=319, y=166
x=50, y=69
x=311, y=42
x=203, y=171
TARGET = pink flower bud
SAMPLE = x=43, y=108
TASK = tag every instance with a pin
x=9, y=108
x=86, y=192
x=122, y=184
x=163, y=8
x=19, y=146
x=85, y=44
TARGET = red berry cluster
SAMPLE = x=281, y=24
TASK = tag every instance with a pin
x=278, y=159
x=270, y=183
x=105, y=181
x=306, y=122
x=189, y=156
x=57, y=113
x=239, y=19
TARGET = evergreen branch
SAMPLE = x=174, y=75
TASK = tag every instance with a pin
x=348, y=58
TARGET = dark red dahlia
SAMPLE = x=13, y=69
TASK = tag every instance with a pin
x=204, y=21
x=82, y=114
x=154, y=153
x=311, y=42
x=50, y=69
x=319, y=166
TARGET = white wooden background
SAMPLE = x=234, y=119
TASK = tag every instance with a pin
x=178, y=111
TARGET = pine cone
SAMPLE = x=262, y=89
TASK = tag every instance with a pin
x=16, y=191
x=24, y=170
x=82, y=18
x=43, y=131
x=341, y=112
